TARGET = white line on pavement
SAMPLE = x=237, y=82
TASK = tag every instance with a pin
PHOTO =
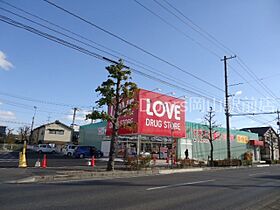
x=8, y=160
x=258, y=174
x=180, y=184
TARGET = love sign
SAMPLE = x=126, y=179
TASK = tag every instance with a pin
x=155, y=115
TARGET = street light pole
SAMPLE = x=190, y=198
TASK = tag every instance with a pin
x=278, y=132
x=32, y=124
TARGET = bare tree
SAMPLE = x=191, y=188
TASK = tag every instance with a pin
x=24, y=133
x=212, y=132
x=271, y=137
x=10, y=136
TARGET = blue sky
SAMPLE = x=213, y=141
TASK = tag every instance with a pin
x=37, y=72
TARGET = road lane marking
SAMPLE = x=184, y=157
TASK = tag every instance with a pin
x=256, y=174
x=178, y=185
x=8, y=160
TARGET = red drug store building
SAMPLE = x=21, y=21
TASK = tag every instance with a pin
x=153, y=126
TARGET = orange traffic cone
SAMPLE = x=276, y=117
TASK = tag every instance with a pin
x=92, y=161
x=44, y=163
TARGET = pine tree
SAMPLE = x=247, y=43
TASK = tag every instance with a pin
x=114, y=92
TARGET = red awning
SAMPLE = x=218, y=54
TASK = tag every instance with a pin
x=256, y=143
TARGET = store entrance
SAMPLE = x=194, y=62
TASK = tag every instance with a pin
x=159, y=147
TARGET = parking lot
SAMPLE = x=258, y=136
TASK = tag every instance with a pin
x=10, y=160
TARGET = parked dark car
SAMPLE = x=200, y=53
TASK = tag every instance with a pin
x=87, y=151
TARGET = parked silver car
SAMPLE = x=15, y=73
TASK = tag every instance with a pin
x=68, y=149
x=44, y=148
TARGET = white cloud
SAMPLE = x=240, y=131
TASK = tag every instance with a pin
x=80, y=116
x=8, y=115
x=4, y=64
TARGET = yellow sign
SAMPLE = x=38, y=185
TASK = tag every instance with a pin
x=242, y=139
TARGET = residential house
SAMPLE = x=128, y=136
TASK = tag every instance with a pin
x=52, y=133
x=2, y=133
x=270, y=150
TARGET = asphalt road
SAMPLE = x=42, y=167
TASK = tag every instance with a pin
x=10, y=160
x=250, y=188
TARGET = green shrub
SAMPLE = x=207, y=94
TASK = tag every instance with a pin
x=247, y=162
x=276, y=162
x=134, y=164
x=226, y=162
x=184, y=163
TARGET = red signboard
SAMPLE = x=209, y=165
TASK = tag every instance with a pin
x=161, y=115
x=156, y=114
x=128, y=123
x=256, y=143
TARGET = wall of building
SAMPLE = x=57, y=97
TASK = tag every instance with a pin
x=198, y=143
x=93, y=134
x=51, y=134
x=270, y=145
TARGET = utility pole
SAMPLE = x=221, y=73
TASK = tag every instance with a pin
x=226, y=105
x=92, y=111
x=74, y=116
x=278, y=123
x=73, y=123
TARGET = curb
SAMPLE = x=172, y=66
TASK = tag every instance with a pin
x=22, y=181
x=172, y=171
x=78, y=175
x=261, y=166
x=90, y=175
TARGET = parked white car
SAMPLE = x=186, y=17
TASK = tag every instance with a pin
x=68, y=149
x=44, y=148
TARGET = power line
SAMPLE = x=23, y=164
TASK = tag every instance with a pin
x=110, y=33
x=156, y=72
x=73, y=33
x=29, y=107
x=68, y=36
x=255, y=80
x=14, y=122
x=171, y=25
x=85, y=51
x=38, y=101
x=214, y=41
x=210, y=36
x=133, y=45
x=189, y=25
x=251, y=73
x=177, y=29
x=247, y=81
